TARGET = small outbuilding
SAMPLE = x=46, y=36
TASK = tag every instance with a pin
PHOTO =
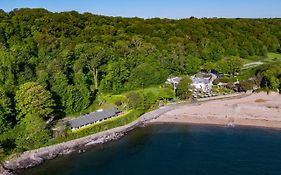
x=92, y=118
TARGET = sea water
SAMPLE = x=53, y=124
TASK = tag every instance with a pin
x=173, y=149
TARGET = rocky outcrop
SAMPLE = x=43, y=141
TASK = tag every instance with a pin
x=5, y=171
x=36, y=157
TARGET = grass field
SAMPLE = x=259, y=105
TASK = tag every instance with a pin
x=272, y=57
x=107, y=101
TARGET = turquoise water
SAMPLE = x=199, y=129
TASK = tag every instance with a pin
x=177, y=150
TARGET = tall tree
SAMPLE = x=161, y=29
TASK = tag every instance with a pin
x=33, y=99
x=5, y=111
x=32, y=132
x=234, y=65
x=183, y=88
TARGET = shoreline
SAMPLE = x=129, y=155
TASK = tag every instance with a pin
x=36, y=157
x=257, y=110
x=215, y=124
x=33, y=158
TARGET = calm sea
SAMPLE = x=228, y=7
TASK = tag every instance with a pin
x=170, y=149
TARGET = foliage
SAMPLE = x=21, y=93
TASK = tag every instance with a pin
x=216, y=81
x=150, y=100
x=273, y=57
x=246, y=85
x=272, y=77
x=222, y=89
x=208, y=66
x=234, y=65
x=183, y=88
x=135, y=100
x=33, y=133
x=166, y=93
x=5, y=111
x=224, y=79
x=145, y=75
x=60, y=62
x=77, y=98
x=231, y=65
x=32, y=98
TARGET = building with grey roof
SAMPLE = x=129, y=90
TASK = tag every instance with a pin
x=92, y=118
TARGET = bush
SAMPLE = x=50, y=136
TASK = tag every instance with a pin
x=150, y=99
x=246, y=85
x=135, y=100
x=118, y=103
x=183, y=88
x=231, y=86
x=224, y=80
x=216, y=81
x=166, y=93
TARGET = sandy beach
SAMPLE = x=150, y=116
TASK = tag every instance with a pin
x=257, y=109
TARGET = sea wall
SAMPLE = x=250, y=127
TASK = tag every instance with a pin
x=36, y=157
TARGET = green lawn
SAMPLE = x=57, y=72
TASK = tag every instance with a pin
x=272, y=57
x=153, y=89
x=252, y=63
x=107, y=101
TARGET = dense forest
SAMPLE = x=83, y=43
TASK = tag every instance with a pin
x=54, y=64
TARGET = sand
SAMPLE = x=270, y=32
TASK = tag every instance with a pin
x=257, y=109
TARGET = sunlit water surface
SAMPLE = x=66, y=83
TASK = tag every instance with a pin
x=172, y=149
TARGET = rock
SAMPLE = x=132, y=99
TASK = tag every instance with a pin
x=36, y=157
x=67, y=151
x=4, y=171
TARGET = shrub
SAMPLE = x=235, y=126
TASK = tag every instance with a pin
x=183, y=88
x=224, y=80
x=216, y=81
x=231, y=86
x=166, y=93
x=134, y=100
x=246, y=85
x=118, y=103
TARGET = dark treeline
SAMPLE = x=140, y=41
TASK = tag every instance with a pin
x=67, y=58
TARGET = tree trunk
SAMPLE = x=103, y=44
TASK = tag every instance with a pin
x=95, y=73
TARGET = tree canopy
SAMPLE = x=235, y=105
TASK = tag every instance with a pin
x=183, y=88
x=32, y=98
x=57, y=63
x=5, y=111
